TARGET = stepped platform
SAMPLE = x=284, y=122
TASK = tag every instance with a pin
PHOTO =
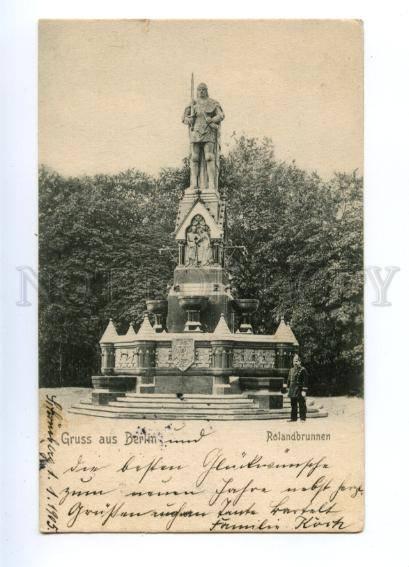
x=190, y=406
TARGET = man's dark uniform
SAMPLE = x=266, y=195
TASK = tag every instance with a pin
x=297, y=381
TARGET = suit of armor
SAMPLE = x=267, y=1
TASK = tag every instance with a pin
x=204, y=118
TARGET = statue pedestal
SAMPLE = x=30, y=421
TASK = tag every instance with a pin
x=266, y=391
x=211, y=283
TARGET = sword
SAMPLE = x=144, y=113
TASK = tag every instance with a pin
x=192, y=100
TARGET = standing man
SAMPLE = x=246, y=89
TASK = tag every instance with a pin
x=203, y=116
x=297, y=389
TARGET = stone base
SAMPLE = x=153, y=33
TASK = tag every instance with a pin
x=184, y=384
x=211, y=282
x=103, y=397
x=180, y=384
x=267, y=400
x=108, y=388
x=182, y=396
x=266, y=391
x=262, y=383
x=189, y=407
x=117, y=382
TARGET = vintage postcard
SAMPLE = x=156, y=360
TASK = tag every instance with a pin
x=201, y=276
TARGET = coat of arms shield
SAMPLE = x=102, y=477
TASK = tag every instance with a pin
x=183, y=353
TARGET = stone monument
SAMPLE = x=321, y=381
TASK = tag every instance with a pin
x=195, y=355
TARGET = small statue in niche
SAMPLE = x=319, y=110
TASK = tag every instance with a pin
x=198, y=246
x=204, y=248
x=191, y=246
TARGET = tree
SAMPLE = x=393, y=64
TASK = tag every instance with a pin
x=304, y=241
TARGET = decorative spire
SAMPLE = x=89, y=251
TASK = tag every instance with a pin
x=284, y=333
x=130, y=333
x=222, y=330
x=146, y=331
x=110, y=335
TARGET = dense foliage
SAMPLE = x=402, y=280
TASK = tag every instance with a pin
x=100, y=241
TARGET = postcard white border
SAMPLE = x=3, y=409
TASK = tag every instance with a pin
x=386, y=181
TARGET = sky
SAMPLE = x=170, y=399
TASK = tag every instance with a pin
x=112, y=92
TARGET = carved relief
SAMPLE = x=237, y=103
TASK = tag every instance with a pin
x=183, y=353
x=125, y=358
x=134, y=359
x=253, y=358
x=271, y=358
x=238, y=358
x=249, y=359
x=163, y=357
x=202, y=358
